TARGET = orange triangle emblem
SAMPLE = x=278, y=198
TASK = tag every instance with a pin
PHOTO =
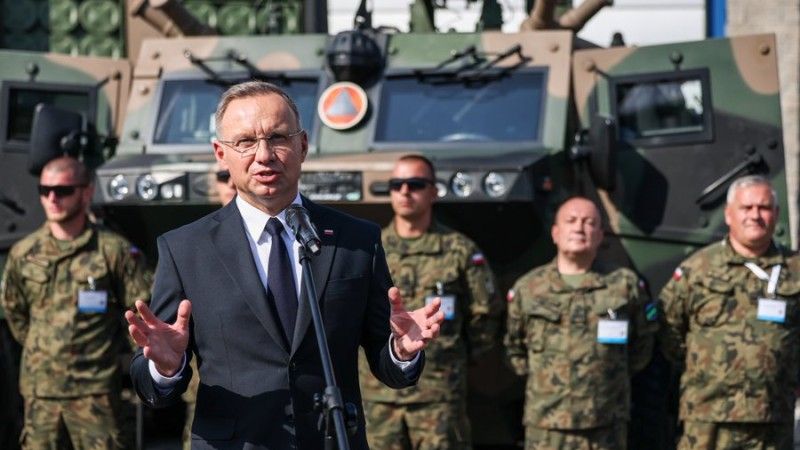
x=343, y=105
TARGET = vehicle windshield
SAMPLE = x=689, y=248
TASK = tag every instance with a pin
x=415, y=110
x=186, y=111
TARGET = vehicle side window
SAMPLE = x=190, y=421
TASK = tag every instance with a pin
x=18, y=102
x=663, y=109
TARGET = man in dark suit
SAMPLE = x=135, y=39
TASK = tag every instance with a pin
x=248, y=322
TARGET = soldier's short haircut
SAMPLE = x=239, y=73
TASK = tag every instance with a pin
x=751, y=180
x=578, y=197
x=250, y=89
x=69, y=164
x=419, y=158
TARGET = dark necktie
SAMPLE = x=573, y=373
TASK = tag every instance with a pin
x=280, y=280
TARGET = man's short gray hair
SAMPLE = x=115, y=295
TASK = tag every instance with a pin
x=751, y=180
x=251, y=89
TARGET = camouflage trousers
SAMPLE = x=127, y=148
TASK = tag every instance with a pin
x=736, y=436
x=420, y=426
x=612, y=437
x=190, y=398
x=89, y=423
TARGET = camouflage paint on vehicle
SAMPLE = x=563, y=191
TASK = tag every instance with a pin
x=659, y=204
x=98, y=87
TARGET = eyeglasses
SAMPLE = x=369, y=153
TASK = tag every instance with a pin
x=414, y=183
x=248, y=145
x=223, y=176
x=60, y=191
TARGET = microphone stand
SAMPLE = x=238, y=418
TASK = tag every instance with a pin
x=332, y=404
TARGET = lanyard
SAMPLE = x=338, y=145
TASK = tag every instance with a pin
x=771, y=279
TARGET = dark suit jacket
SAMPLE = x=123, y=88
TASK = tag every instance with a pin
x=254, y=391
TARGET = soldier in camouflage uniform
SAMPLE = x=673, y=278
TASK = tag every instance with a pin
x=578, y=330
x=65, y=288
x=732, y=323
x=427, y=259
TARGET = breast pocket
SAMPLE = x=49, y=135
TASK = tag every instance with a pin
x=612, y=344
x=711, y=302
x=93, y=285
x=35, y=280
x=454, y=302
x=790, y=292
x=611, y=305
x=542, y=321
x=92, y=275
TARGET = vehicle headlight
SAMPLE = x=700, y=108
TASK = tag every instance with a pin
x=462, y=184
x=170, y=191
x=118, y=187
x=146, y=187
x=441, y=189
x=167, y=191
x=495, y=185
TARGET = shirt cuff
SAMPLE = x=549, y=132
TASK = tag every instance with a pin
x=165, y=384
x=409, y=368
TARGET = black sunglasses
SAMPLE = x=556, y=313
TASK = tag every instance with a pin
x=414, y=183
x=60, y=191
x=223, y=176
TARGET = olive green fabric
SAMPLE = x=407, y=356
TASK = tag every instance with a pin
x=612, y=437
x=432, y=414
x=426, y=426
x=574, y=381
x=447, y=257
x=737, y=368
x=67, y=353
x=736, y=436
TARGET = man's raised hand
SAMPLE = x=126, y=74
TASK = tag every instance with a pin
x=413, y=330
x=162, y=343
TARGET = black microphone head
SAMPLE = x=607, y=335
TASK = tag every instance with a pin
x=298, y=220
x=294, y=217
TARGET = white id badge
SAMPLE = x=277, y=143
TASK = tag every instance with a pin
x=92, y=301
x=448, y=306
x=612, y=331
x=772, y=310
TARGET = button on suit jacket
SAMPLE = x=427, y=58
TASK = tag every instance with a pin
x=255, y=392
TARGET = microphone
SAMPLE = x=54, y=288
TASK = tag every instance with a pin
x=304, y=231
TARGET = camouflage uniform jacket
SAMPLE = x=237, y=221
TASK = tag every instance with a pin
x=737, y=368
x=441, y=255
x=67, y=353
x=574, y=381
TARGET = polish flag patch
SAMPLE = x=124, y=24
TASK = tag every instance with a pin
x=510, y=296
x=678, y=274
x=327, y=232
x=478, y=259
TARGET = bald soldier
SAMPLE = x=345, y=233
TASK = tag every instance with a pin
x=732, y=323
x=426, y=259
x=65, y=289
x=578, y=330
